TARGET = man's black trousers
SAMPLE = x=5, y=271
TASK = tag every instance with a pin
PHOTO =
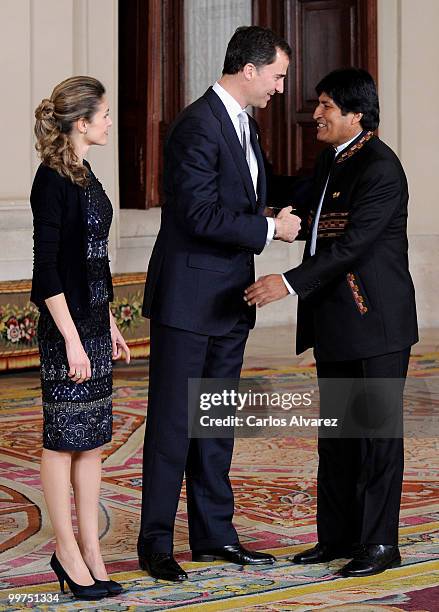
x=359, y=479
x=169, y=455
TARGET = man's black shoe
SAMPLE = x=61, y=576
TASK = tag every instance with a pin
x=234, y=553
x=321, y=553
x=373, y=559
x=162, y=566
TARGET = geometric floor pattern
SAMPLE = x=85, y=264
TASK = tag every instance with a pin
x=274, y=484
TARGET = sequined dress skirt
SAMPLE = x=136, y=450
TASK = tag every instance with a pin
x=78, y=416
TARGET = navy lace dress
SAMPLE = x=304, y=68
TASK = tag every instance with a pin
x=79, y=416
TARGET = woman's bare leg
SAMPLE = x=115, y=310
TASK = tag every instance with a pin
x=55, y=478
x=86, y=481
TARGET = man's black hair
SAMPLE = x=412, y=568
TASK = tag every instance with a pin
x=253, y=45
x=354, y=91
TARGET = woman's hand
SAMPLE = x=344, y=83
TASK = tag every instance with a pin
x=79, y=363
x=118, y=342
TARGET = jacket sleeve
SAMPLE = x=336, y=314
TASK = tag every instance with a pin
x=377, y=197
x=284, y=190
x=292, y=191
x=47, y=199
x=194, y=159
x=295, y=191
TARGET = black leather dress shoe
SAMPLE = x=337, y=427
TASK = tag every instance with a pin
x=321, y=553
x=234, y=553
x=162, y=566
x=373, y=559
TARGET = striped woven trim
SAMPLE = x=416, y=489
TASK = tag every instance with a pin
x=356, y=293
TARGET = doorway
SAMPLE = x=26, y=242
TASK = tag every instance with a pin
x=150, y=94
x=324, y=34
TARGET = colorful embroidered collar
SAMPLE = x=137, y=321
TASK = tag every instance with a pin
x=354, y=148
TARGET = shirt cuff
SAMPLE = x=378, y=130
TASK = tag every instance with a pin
x=288, y=286
x=271, y=226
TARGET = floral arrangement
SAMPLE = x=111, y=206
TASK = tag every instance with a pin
x=19, y=320
x=127, y=312
x=18, y=325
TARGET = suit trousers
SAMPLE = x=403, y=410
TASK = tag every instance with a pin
x=359, y=480
x=175, y=356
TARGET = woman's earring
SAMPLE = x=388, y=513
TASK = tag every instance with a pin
x=85, y=131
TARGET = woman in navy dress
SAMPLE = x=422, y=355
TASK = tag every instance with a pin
x=77, y=335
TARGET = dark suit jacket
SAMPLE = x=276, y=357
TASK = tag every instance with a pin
x=59, y=211
x=211, y=224
x=356, y=296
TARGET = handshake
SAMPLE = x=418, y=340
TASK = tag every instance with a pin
x=287, y=225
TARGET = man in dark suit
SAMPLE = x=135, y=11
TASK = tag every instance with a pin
x=357, y=309
x=212, y=224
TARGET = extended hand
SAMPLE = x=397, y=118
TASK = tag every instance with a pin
x=118, y=343
x=79, y=363
x=265, y=290
x=287, y=225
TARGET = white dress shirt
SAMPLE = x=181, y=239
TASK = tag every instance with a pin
x=312, y=249
x=233, y=109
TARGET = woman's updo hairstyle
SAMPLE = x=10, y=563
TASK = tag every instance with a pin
x=75, y=98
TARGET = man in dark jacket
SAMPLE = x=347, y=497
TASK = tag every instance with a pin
x=357, y=309
x=212, y=224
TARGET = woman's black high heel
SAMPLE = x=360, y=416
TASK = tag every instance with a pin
x=89, y=591
x=113, y=587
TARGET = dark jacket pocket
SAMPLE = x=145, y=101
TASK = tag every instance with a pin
x=203, y=261
x=358, y=293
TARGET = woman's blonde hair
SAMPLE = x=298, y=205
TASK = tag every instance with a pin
x=75, y=98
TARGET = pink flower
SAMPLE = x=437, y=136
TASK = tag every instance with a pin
x=126, y=313
x=14, y=332
x=27, y=327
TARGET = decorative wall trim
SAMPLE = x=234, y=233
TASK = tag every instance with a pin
x=19, y=320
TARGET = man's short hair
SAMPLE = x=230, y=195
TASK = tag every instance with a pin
x=253, y=45
x=354, y=91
